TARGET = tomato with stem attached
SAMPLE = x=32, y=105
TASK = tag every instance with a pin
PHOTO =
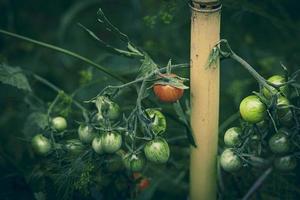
x=111, y=142
x=134, y=162
x=167, y=92
x=41, y=145
x=157, y=151
x=59, y=123
x=232, y=137
x=229, y=161
x=159, y=124
x=276, y=80
x=252, y=109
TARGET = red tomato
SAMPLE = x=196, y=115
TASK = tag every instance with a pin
x=168, y=93
x=144, y=184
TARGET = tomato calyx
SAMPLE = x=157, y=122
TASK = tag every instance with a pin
x=171, y=80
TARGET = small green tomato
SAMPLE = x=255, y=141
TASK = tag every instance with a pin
x=279, y=143
x=159, y=123
x=157, y=151
x=97, y=145
x=282, y=108
x=134, y=162
x=232, y=137
x=59, y=123
x=285, y=163
x=86, y=133
x=252, y=109
x=111, y=142
x=276, y=80
x=229, y=161
x=41, y=145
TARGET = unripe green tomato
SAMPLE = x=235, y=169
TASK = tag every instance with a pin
x=97, y=145
x=285, y=163
x=159, y=124
x=229, y=161
x=232, y=137
x=59, y=123
x=287, y=119
x=276, y=80
x=157, y=151
x=86, y=133
x=111, y=142
x=279, y=143
x=252, y=109
x=134, y=162
x=41, y=145
x=74, y=146
x=113, y=111
x=282, y=108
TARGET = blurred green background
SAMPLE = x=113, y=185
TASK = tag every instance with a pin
x=264, y=32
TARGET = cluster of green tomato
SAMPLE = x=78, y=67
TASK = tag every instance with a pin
x=109, y=140
x=254, y=111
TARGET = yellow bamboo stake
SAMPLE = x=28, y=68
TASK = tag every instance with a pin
x=205, y=33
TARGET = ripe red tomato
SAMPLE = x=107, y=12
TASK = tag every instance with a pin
x=167, y=93
x=143, y=184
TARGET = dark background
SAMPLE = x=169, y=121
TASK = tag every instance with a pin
x=264, y=32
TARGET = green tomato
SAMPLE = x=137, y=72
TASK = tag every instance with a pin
x=232, y=137
x=41, y=145
x=285, y=163
x=287, y=119
x=59, y=123
x=282, y=108
x=134, y=162
x=159, y=123
x=252, y=109
x=229, y=161
x=97, y=145
x=157, y=151
x=111, y=142
x=276, y=80
x=74, y=146
x=279, y=143
x=107, y=108
x=86, y=133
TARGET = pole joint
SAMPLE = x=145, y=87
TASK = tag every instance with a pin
x=205, y=5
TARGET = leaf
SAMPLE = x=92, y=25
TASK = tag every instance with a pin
x=148, y=66
x=35, y=122
x=14, y=76
x=182, y=117
x=176, y=84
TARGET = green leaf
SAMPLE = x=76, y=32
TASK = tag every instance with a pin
x=14, y=76
x=148, y=66
x=182, y=117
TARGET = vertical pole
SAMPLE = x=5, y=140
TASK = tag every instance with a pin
x=205, y=33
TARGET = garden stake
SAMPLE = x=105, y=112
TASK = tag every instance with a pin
x=205, y=31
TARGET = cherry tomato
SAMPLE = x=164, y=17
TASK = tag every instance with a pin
x=41, y=145
x=279, y=143
x=157, y=151
x=107, y=108
x=134, y=162
x=111, y=142
x=252, y=109
x=168, y=93
x=285, y=163
x=229, y=161
x=97, y=145
x=232, y=137
x=143, y=184
x=282, y=108
x=276, y=80
x=86, y=133
x=159, y=124
x=59, y=123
